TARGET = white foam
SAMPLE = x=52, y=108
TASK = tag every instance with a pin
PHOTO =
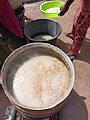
x=40, y=81
x=53, y=10
x=43, y=37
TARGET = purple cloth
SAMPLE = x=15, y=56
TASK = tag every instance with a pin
x=8, y=18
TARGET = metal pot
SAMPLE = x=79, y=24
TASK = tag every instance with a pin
x=42, y=26
x=17, y=55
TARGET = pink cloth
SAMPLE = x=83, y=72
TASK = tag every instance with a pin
x=85, y=5
x=80, y=25
x=8, y=18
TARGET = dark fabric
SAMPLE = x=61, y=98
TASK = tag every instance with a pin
x=4, y=51
x=8, y=18
x=10, y=38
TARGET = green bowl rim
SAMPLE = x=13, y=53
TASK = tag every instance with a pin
x=49, y=2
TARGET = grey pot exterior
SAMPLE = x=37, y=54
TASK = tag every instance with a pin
x=15, y=56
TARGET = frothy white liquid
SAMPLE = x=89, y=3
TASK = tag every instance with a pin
x=53, y=10
x=43, y=37
x=40, y=81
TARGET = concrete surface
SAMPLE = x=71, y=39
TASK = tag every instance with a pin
x=78, y=104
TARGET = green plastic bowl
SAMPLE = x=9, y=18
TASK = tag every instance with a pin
x=50, y=5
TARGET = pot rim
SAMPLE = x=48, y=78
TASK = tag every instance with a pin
x=16, y=102
x=31, y=39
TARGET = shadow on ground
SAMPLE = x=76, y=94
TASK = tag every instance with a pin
x=4, y=102
x=75, y=108
x=63, y=46
x=84, y=54
x=29, y=1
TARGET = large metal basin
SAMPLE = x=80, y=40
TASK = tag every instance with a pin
x=17, y=55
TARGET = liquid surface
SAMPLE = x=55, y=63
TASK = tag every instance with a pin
x=43, y=37
x=40, y=81
x=53, y=10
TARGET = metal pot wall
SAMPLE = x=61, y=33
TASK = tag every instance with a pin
x=19, y=53
x=42, y=26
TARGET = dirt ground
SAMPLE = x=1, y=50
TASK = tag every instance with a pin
x=78, y=104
